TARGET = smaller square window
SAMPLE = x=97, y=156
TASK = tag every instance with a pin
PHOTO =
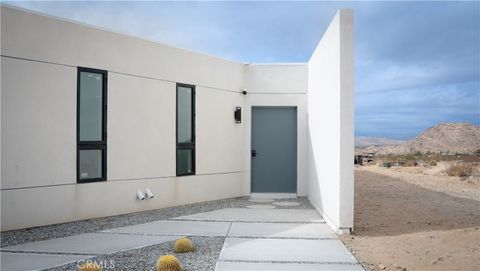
x=185, y=162
x=90, y=164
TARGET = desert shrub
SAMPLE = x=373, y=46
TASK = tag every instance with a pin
x=432, y=163
x=89, y=266
x=460, y=169
x=387, y=164
x=410, y=163
x=183, y=245
x=168, y=263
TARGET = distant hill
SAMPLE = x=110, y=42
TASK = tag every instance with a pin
x=460, y=137
x=365, y=141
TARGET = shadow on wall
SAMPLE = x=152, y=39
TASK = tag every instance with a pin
x=386, y=206
x=312, y=174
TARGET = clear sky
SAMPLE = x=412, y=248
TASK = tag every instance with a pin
x=417, y=63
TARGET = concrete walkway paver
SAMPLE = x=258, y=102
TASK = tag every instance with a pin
x=285, y=250
x=243, y=266
x=256, y=239
x=261, y=206
x=177, y=228
x=257, y=215
x=270, y=241
x=281, y=230
x=261, y=200
x=286, y=203
x=30, y=261
x=91, y=243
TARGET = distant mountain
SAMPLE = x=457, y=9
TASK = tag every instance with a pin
x=365, y=141
x=459, y=137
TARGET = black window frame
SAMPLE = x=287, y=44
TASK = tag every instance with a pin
x=185, y=146
x=93, y=145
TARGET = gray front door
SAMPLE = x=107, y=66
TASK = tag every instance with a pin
x=274, y=150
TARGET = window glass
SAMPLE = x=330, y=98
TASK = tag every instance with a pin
x=185, y=130
x=184, y=114
x=184, y=161
x=91, y=101
x=90, y=166
x=91, y=125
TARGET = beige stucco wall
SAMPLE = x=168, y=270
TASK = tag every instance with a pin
x=140, y=141
x=42, y=38
x=38, y=145
x=221, y=138
x=49, y=205
x=40, y=56
x=39, y=63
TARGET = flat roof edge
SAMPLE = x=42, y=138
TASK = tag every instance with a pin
x=96, y=27
x=278, y=64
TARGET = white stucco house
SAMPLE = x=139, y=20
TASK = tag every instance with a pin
x=91, y=119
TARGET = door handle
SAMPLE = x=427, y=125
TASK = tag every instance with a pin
x=254, y=153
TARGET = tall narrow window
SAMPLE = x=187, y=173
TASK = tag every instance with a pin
x=185, y=129
x=91, y=125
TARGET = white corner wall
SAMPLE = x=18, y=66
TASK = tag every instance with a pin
x=331, y=124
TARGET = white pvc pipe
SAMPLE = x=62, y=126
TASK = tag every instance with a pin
x=149, y=193
x=140, y=195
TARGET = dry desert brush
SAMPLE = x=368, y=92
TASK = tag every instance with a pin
x=461, y=169
x=168, y=263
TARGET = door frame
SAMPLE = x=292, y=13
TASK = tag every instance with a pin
x=273, y=194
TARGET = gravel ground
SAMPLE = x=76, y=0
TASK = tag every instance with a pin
x=204, y=258
x=92, y=225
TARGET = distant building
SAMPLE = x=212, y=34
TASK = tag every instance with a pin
x=358, y=159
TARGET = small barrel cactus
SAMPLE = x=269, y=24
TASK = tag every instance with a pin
x=183, y=245
x=89, y=266
x=168, y=263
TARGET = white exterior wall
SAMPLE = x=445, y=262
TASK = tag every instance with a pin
x=331, y=124
x=40, y=56
x=278, y=85
x=221, y=139
x=36, y=37
x=39, y=63
x=139, y=126
x=36, y=138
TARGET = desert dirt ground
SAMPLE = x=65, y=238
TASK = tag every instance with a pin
x=407, y=219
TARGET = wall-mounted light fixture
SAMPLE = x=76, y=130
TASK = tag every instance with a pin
x=238, y=114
